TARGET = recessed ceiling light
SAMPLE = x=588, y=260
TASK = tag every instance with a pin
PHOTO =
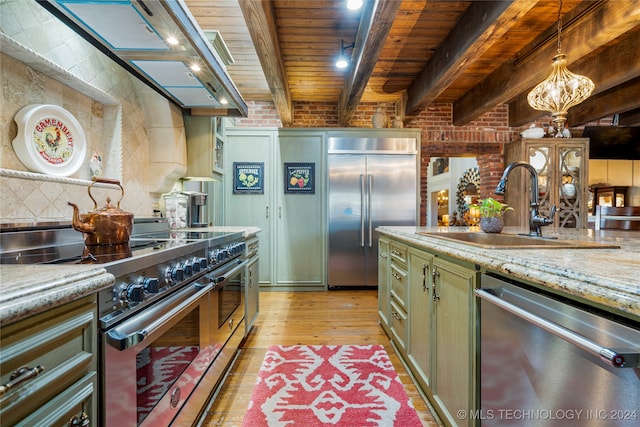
x=354, y=4
x=224, y=101
x=172, y=40
x=195, y=67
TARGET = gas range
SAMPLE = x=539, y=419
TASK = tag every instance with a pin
x=156, y=262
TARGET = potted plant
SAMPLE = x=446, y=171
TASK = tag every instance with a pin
x=491, y=213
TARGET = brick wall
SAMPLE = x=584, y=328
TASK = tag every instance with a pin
x=483, y=138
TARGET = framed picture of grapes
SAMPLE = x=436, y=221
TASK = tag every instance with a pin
x=299, y=178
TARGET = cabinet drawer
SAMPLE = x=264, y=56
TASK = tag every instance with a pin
x=71, y=404
x=398, y=254
x=398, y=324
x=399, y=285
x=62, y=341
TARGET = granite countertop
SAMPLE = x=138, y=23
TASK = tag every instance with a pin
x=247, y=231
x=26, y=290
x=607, y=278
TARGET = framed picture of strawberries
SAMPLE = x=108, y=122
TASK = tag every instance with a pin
x=299, y=178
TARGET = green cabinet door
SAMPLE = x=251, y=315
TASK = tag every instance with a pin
x=384, y=260
x=299, y=216
x=252, y=209
x=454, y=364
x=420, y=308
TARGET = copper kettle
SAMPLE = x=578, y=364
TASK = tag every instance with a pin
x=108, y=225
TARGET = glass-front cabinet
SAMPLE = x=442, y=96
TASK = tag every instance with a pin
x=562, y=166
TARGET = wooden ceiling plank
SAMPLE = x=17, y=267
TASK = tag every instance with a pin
x=600, y=25
x=368, y=45
x=611, y=102
x=478, y=29
x=612, y=67
x=261, y=23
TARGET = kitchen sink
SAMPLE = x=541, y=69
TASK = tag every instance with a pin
x=515, y=241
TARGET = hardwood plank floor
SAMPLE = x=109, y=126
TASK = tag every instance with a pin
x=308, y=318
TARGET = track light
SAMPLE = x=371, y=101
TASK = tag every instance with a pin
x=343, y=60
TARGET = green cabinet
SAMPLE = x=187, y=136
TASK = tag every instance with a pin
x=432, y=322
x=252, y=285
x=384, y=262
x=254, y=209
x=205, y=146
x=300, y=243
x=58, y=348
x=292, y=243
x=453, y=340
x=420, y=312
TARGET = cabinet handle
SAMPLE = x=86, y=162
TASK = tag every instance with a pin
x=83, y=421
x=396, y=275
x=393, y=251
x=20, y=375
x=425, y=270
x=267, y=212
x=435, y=274
x=396, y=315
x=280, y=212
x=383, y=256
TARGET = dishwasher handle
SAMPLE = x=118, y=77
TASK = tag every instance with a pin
x=618, y=358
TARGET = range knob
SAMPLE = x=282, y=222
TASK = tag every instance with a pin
x=203, y=263
x=135, y=293
x=176, y=273
x=188, y=269
x=151, y=285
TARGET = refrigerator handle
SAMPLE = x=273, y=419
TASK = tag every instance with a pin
x=369, y=214
x=362, y=209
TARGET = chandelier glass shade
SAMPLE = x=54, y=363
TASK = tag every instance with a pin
x=562, y=89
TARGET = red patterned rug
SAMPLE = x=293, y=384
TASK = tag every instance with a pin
x=350, y=386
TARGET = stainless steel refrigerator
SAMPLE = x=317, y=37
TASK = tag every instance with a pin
x=372, y=182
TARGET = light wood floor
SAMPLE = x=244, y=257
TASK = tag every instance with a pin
x=308, y=318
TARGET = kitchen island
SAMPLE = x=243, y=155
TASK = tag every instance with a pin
x=606, y=278
x=428, y=278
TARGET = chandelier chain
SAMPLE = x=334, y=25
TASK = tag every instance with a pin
x=559, y=23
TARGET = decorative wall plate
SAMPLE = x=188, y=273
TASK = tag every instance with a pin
x=50, y=140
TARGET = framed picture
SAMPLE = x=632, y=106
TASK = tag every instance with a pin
x=440, y=165
x=248, y=178
x=299, y=178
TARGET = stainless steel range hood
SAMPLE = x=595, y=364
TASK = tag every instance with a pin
x=137, y=34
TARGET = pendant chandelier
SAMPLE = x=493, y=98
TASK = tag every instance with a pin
x=562, y=89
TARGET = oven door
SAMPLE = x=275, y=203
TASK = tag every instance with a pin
x=227, y=299
x=153, y=360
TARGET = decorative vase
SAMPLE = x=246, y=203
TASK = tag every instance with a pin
x=492, y=225
x=379, y=118
x=397, y=123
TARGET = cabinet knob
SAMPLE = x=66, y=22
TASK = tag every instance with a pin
x=82, y=421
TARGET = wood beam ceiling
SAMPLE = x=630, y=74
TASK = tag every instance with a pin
x=599, y=25
x=260, y=20
x=375, y=24
x=477, y=30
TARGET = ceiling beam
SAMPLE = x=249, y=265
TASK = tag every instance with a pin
x=630, y=118
x=606, y=104
x=261, y=24
x=482, y=24
x=375, y=24
x=598, y=26
x=614, y=66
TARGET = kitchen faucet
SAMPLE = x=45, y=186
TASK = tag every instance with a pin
x=536, y=221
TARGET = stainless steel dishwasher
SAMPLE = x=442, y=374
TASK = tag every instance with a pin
x=545, y=362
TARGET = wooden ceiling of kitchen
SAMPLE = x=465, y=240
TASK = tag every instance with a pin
x=412, y=53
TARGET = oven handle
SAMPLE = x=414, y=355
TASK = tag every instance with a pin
x=121, y=342
x=217, y=279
